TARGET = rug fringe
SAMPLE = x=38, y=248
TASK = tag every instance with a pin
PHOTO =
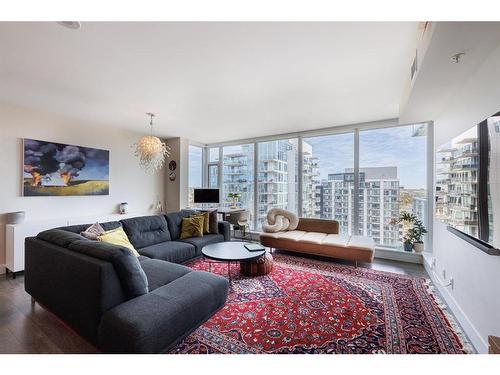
x=466, y=345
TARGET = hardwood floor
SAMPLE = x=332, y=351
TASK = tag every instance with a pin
x=404, y=268
x=29, y=328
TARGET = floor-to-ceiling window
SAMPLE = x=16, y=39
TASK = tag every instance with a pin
x=195, y=159
x=328, y=178
x=213, y=167
x=238, y=177
x=390, y=164
x=392, y=171
x=277, y=177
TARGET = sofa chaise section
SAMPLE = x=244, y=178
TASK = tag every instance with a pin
x=181, y=306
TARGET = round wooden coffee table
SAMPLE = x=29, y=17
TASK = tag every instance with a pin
x=229, y=252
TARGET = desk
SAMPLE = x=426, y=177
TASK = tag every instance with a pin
x=224, y=211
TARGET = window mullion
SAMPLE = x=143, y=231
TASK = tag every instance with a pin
x=204, y=163
x=300, y=175
x=356, y=183
x=219, y=172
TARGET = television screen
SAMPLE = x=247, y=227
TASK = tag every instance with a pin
x=206, y=196
x=468, y=182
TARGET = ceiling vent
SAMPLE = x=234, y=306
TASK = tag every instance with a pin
x=73, y=25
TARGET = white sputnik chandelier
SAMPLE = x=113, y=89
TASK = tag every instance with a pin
x=151, y=150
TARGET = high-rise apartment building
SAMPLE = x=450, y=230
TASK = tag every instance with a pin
x=457, y=185
x=378, y=202
x=277, y=177
x=238, y=175
x=310, y=179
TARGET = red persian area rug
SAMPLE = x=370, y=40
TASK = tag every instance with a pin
x=312, y=306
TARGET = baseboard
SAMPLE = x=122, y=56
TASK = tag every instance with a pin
x=479, y=344
x=400, y=256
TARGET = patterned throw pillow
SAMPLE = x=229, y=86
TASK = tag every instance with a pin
x=92, y=232
x=192, y=226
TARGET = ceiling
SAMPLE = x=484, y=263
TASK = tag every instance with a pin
x=209, y=82
x=440, y=82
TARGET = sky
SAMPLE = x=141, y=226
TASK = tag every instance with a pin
x=195, y=165
x=378, y=148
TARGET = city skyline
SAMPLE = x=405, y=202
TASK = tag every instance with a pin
x=386, y=147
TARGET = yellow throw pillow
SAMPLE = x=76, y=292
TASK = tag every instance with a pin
x=192, y=226
x=206, y=217
x=118, y=237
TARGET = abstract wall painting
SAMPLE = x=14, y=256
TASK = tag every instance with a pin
x=56, y=169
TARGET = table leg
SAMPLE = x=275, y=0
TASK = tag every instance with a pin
x=229, y=270
x=209, y=266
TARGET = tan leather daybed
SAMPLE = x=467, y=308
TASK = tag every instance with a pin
x=320, y=237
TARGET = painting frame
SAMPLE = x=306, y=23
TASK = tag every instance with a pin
x=53, y=169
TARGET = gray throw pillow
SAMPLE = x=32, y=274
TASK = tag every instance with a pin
x=92, y=232
x=213, y=227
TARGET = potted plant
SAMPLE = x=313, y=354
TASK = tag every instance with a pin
x=407, y=244
x=419, y=231
x=415, y=230
x=234, y=197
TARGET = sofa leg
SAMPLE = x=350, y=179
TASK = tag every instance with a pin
x=355, y=264
x=33, y=301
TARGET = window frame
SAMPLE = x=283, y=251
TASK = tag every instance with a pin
x=355, y=128
x=202, y=166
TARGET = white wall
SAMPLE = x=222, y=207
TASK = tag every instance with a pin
x=128, y=182
x=176, y=194
x=476, y=292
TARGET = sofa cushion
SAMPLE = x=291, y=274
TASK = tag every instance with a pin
x=171, y=251
x=336, y=240
x=199, y=242
x=132, y=277
x=313, y=237
x=361, y=243
x=60, y=237
x=145, y=231
x=293, y=235
x=224, y=228
x=160, y=273
x=174, y=220
x=270, y=234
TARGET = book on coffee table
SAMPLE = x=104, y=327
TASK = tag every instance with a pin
x=254, y=247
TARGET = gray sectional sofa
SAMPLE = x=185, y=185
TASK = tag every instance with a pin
x=123, y=303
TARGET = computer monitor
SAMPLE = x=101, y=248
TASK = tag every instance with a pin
x=206, y=196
